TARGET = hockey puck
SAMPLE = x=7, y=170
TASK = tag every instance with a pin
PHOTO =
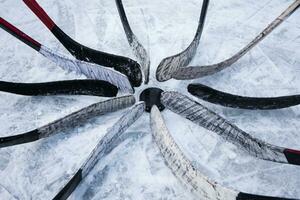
x=151, y=96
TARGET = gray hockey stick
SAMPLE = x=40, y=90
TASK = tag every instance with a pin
x=171, y=64
x=206, y=118
x=104, y=147
x=193, y=72
x=137, y=48
x=70, y=121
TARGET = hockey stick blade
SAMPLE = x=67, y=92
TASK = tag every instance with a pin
x=69, y=87
x=90, y=70
x=137, y=48
x=122, y=64
x=252, y=103
x=202, y=116
x=169, y=65
x=194, y=72
x=104, y=147
x=186, y=172
x=72, y=120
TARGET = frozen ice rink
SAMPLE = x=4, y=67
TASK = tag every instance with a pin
x=136, y=169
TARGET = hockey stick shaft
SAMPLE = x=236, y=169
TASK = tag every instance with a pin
x=72, y=120
x=40, y=13
x=19, y=34
x=193, y=72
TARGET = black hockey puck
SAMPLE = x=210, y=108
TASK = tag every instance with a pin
x=151, y=96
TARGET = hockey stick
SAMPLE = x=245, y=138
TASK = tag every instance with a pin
x=193, y=72
x=169, y=65
x=69, y=87
x=122, y=64
x=90, y=70
x=104, y=147
x=70, y=121
x=202, y=116
x=253, y=103
x=137, y=48
x=186, y=172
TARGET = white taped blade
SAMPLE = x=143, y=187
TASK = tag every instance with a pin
x=90, y=70
x=182, y=167
x=81, y=116
x=193, y=72
x=206, y=118
x=110, y=140
x=114, y=136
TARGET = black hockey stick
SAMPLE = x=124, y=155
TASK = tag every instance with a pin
x=202, y=116
x=253, y=103
x=124, y=65
x=70, y=121
x=90, y=70
x=104, y=147
x=69, y=87
x=137, y=48
x=186, y=172
x=192, y=72
x=169, y=65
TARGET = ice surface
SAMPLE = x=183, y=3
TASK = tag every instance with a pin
x=135, y=169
